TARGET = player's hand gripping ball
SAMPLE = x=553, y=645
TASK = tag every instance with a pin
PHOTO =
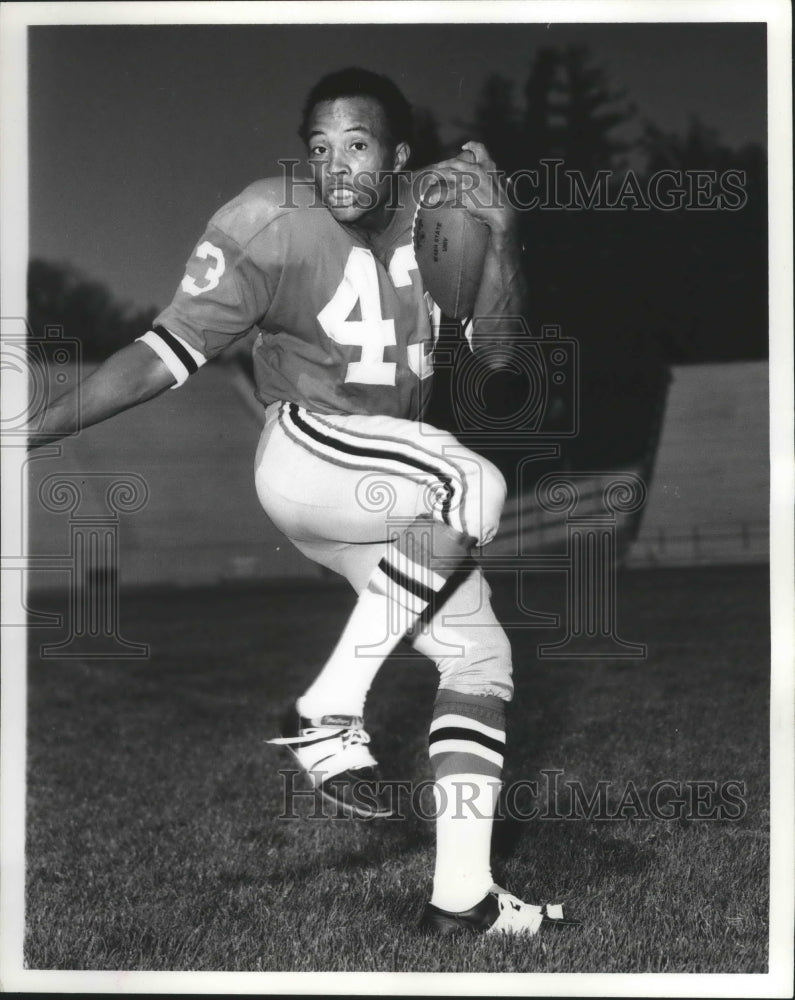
x=449, y=242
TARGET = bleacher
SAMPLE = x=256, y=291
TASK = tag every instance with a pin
x=709, y=493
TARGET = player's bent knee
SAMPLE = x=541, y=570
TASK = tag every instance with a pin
x=492, y=490
x=495, y=489
x=485, y=667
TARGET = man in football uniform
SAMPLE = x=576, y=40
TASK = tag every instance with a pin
x=326, y=272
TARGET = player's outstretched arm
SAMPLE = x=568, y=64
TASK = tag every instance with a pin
x=130, y=376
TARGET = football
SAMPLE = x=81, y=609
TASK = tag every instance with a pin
x=450, y=247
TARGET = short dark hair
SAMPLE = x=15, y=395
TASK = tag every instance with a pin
x=356, y=82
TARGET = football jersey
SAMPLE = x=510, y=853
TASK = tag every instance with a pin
x=344, y=322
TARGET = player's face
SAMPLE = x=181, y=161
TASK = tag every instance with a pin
x=352, y=156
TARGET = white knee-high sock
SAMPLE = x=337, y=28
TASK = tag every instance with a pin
x=466, y=746
x=407, y=581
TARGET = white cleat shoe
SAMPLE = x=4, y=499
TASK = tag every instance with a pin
x=498, y=912
x=332, y=751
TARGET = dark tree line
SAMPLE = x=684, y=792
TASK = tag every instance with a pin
x=60, y=295
x=687, y=283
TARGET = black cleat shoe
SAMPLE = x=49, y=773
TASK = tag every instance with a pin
x=497, y=913
x=332, y=751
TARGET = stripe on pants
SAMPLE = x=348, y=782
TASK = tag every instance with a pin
x=370, y=453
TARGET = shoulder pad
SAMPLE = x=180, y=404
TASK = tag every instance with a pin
x=262, y=203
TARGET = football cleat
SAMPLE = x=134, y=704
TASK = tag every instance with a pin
x=332, y=752
x=497, y=913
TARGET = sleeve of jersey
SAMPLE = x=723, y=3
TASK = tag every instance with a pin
x=221, y=298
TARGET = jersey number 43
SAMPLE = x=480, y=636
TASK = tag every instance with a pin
x=372, y=333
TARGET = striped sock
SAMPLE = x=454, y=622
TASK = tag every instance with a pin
x=402, y=588
x=466, y=746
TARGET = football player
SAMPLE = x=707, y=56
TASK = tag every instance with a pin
x=325, y=272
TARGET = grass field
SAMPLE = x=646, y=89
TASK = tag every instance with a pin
x=153, y=833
